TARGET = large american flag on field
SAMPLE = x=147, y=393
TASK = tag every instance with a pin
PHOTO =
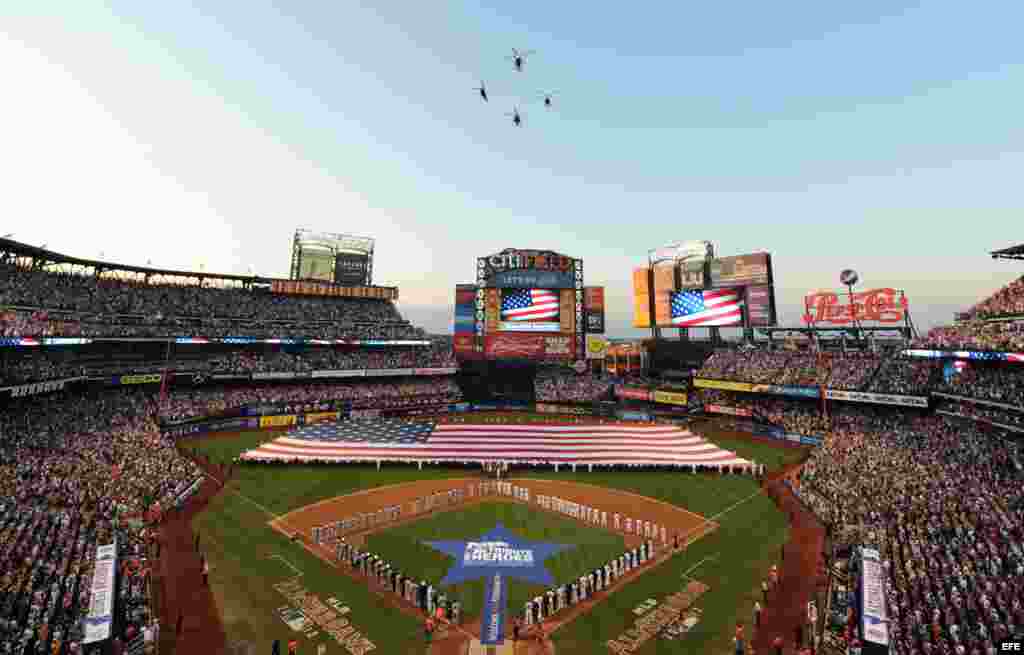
x=707, y=308
x=354, y=441
x=529, y=305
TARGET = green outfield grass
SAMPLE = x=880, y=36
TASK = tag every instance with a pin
x=404, y=545
x=239, y=546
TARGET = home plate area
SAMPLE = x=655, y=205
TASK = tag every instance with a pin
x=480, y=556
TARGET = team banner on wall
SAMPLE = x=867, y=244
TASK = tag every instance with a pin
x=874, y=620
x=670, y=397
x=724, y=385
x=877, y=398
x=101, y=599
x=278, y=421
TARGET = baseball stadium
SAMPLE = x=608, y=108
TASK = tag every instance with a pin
x=517, y=328
x=522, y=485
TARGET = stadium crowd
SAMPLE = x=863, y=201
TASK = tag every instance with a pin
x=850, y=371
x=975, y=335
x=37, y=367
x=43, y=303
x=77, y=473
x=1000, y=384
x=944, y=502
x=571, y=388
x=181, y=405
x=798, y=417
x=983, y=413
x=1008, y=301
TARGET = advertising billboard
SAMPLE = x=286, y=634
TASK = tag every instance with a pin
x=641, y=298
x=885, y=306
x=664, y=285
x=351, y=268
x=567, y=303
x=699, y=250
x=691, y=275
x=528, y=346
x=597, y=346
x=492, y=310
x=529, y=310
x=593, y=303
x=741, y=271
x=527, y=269
x=465, y=309
x=760, y=305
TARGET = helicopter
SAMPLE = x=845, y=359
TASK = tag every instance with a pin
x=483, y=90
x=517, y=118
x=519, y=58
x=548, y=98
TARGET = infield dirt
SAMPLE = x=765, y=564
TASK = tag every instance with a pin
x=678, y=521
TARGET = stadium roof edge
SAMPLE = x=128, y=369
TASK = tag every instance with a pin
x=26, y=250
x=1013, y=252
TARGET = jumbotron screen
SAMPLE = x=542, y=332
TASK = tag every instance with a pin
x=529, y=310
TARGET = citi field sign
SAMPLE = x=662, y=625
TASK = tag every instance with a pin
x=528, y=269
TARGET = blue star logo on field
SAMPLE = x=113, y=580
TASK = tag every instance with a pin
x=498, y=552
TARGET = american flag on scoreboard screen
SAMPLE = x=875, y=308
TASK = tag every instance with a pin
x=580, y=444
x=706, y=308
x=529, y=305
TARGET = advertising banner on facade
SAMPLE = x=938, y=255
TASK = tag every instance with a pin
x=885, y=306
x=23, y=390
x=760, y=305
x=278, y=421
x=876, y=398
x=664, y=286
x=515, y=346
x=435, y=371
x=724, y=385
x=527, y=269
x=784, y=390
x=594, y=307
x=274, y=375
x=597, y=346
x=464, y=344
x=149, y=378
x=712, y=408
x=670, y=397
x=353, y=373
x=741, y=271
x=632, y=393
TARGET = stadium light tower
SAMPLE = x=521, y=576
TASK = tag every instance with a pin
x=849, y=277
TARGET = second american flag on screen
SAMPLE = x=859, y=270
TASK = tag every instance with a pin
x=529, y=305
x=707, y=308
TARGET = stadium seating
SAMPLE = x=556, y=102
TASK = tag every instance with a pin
x=1007, y=301
x=41, y=303
x=181, y=405
x=942, y=501
x=37, y=367
x=850, y=371
x=68, y=466
x=1000, y=384
x=569, y=387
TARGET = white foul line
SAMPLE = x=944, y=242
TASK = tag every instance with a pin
x=250, y=500
x=287, y=563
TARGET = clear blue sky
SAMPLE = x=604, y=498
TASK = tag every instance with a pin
x=884, y=136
